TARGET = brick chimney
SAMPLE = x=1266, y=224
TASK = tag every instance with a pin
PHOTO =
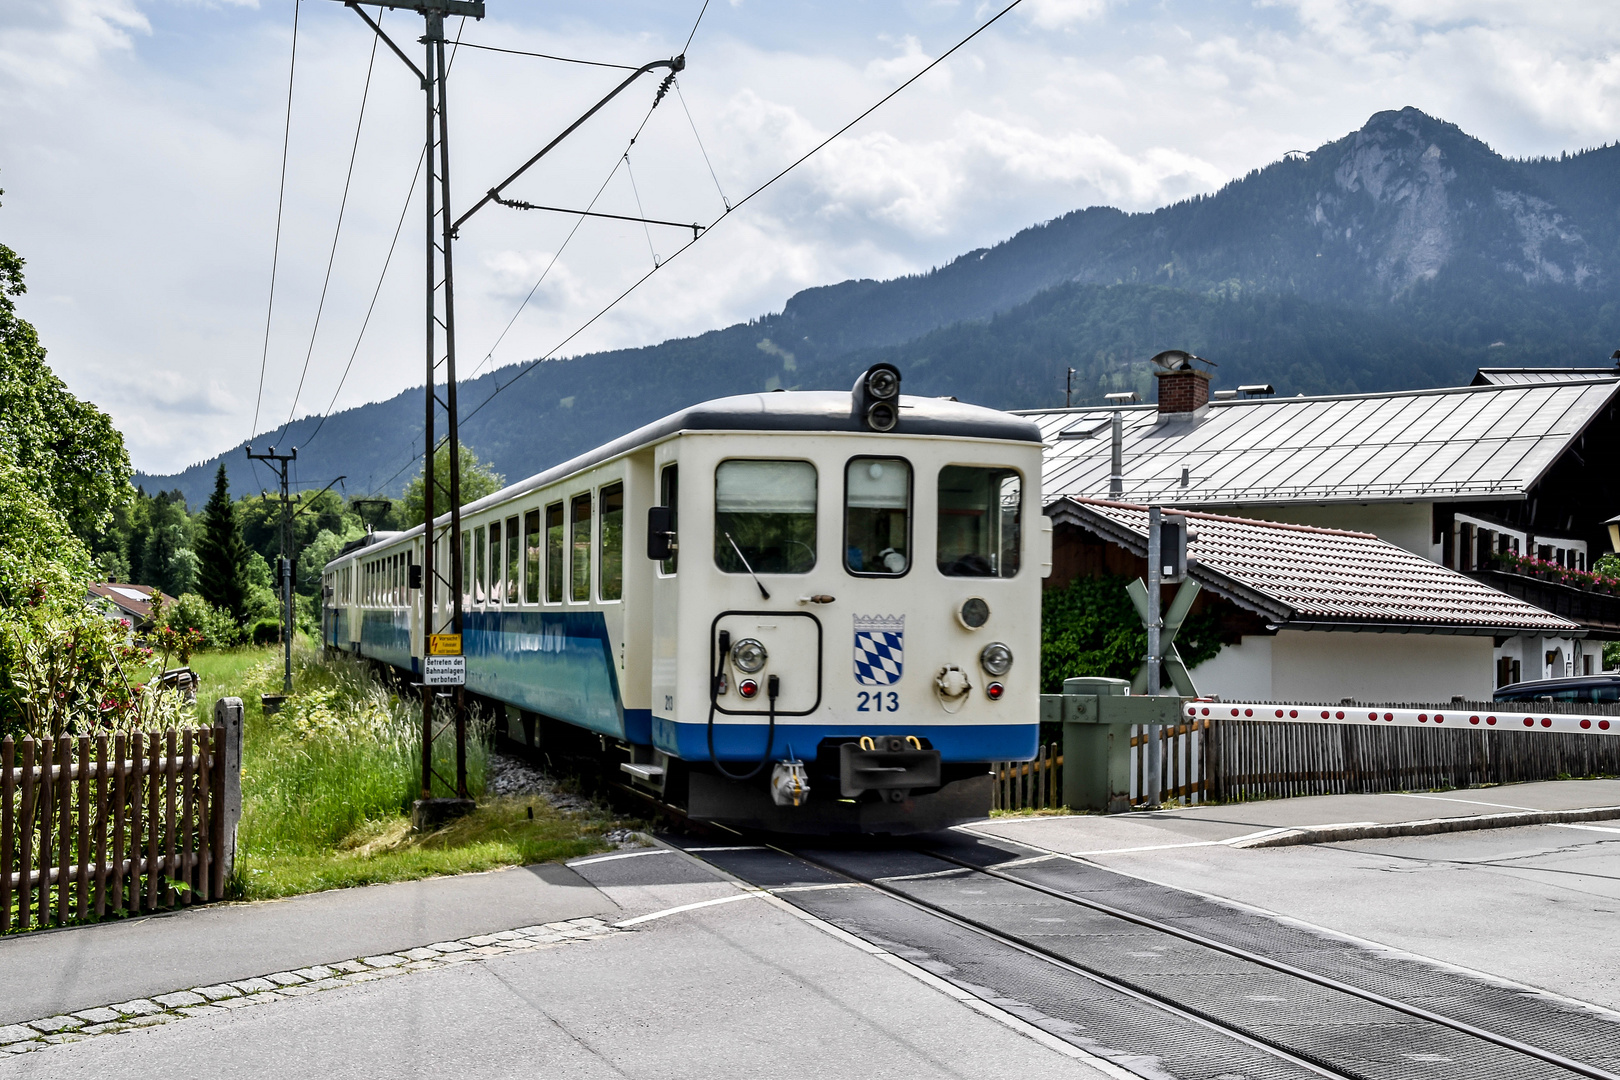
x=1183, y=389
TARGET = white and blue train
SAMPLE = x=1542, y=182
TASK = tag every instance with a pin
x=796, y=611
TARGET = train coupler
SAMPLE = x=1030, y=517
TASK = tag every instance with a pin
x=790, y=784
x=889, y=764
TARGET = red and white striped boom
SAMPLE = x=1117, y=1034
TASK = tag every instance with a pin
x=1501, y=715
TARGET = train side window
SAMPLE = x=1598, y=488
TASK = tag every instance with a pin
x=531, y=557
x=877, y=516
x=669, y=487
x=466, y=569
x=612, y=543
x=479, y=550
x=494, y=594
x=514, y=571
x=555, y=543
x=579, y=524
x=767, y=511
x=979, y=519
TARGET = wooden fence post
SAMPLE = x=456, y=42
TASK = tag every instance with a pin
x=7, y=751
x=228, y=717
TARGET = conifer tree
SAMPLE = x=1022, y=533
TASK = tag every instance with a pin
x=221, y=577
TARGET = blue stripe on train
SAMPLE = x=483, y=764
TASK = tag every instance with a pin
x=746, y=742
x=559, y=663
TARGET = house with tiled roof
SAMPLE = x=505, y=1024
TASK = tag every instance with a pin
x=132, y=602
x=1520, y=464
x=1313, y=614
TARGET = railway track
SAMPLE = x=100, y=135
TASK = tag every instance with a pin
x=1164, y=983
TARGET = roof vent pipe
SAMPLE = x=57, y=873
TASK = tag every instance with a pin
x=1116, y=468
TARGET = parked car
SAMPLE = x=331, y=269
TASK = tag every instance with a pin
x=1599, y=688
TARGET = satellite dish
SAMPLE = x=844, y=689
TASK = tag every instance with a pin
x=1177, y=360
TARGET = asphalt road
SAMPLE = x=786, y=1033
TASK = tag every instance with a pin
x=744, y=989
x=747, y=987
x=1538, y=905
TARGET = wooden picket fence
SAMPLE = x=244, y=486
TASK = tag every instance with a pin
x=1249, y=760
x=1031, y=785
x=1233, y=760
x=113, y=824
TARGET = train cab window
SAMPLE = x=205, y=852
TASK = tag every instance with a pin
x=479, y=550
x=531, y=557
x=579, y=538
x=669, y=487
x=514, y=570
x=877, y=516
x=979, y=518
x=555, y=543
x=766, y=511
x=612, y=543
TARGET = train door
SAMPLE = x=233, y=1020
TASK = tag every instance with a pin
x=664, y=539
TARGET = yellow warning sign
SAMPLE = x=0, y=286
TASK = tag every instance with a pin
x=444, y=644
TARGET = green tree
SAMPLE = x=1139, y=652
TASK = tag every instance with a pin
x=221, y=552
x=1090, y=627
x=477, y=480
x=64, y=448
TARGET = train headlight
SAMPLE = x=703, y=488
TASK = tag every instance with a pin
x=748, y=655
x=996, y=659
x=973, y=613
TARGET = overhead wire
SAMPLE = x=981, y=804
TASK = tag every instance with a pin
x=337, y=230
x=701, y=149
x=410, y=197
x=281, y=198
x=549, y=56
x=760, y=189
x=624, y=159
x=740, y=204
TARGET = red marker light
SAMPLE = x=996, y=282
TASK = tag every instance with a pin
x=994, y=691
x=748, y=688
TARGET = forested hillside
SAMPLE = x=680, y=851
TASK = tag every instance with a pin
x=1405, y=254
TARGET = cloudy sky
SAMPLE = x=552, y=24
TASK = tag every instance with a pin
x=141, y=140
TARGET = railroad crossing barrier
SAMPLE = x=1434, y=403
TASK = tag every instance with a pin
x=1097, y=716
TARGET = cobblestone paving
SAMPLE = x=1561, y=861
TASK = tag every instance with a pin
x=280, y=985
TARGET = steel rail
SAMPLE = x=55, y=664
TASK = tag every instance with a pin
x=1175, y=1008
x=1260, y=959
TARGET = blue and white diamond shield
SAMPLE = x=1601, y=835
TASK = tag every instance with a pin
x=879, y=649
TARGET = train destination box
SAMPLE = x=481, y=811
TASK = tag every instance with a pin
x=444, y=671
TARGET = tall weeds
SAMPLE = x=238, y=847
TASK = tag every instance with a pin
x=343, y=753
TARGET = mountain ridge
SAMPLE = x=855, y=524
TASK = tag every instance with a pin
x=1402, y=254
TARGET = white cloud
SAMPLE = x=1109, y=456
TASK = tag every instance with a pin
x=142, y=145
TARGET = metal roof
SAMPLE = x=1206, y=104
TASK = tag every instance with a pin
x=1474, y=443
x=1323, y=579
x=1518, y=376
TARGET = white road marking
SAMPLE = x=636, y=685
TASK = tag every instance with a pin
x=1469, y=802
x=620, y=855
x=739, y=847
x=753, y=894
x=817, y=888
x=931, y=874
x=1588, y=828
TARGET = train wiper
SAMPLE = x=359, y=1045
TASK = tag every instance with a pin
x=744, y=560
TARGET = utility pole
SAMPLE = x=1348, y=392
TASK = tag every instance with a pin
x=440, y=632
x=279, y=462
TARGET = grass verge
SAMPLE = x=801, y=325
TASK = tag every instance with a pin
x=328, y=782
